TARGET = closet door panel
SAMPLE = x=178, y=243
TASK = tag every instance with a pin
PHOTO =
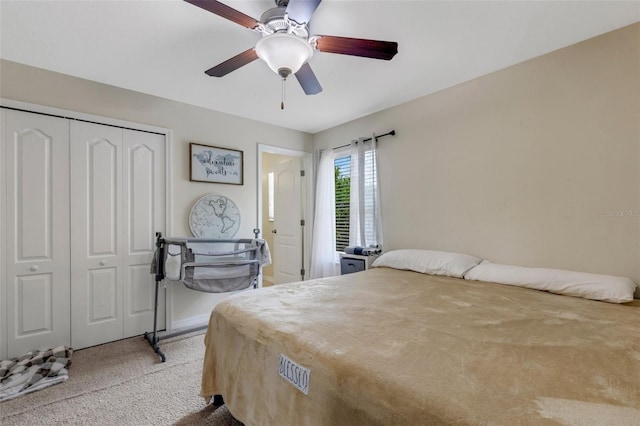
x=144, y=207
x=102, y=296
x=96, y=240
x=37, y=240
x=34, y=297
x=102, y=172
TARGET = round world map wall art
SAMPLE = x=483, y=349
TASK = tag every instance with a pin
x=214, y=216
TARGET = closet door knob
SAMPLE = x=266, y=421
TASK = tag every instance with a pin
x=275, y=231
x=34, y=268
x=103, y=262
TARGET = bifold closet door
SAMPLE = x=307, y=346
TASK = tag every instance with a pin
x=144, y=207
x=117, y=204
x=37, y=231
x=96, y=238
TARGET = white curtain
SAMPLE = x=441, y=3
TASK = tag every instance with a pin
x=325, y=261
x=365, y=220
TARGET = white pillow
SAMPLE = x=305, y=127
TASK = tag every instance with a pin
x=428, y=262
x=607, y=288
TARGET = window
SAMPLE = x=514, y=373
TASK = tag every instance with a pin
x=342, y=166
x=343, y=183
x=271, y=190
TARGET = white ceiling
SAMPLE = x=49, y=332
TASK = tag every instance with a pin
x=163, y=47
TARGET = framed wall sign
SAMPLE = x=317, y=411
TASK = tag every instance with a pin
x=215, y=165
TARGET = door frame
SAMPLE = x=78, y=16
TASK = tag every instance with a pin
x=307, y=204
x=76, y=115
x=3, y=239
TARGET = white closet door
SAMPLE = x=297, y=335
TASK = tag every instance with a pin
x=96, y=238
x=144, y=207
x=37, y=231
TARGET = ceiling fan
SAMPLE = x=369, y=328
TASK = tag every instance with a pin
x=286, y=44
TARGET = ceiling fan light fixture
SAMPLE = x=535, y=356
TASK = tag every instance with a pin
x=283, y=52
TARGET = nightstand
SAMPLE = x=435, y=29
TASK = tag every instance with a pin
x=350, y=263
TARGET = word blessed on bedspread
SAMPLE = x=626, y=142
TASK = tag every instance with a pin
x=622, y=213
x=294, y=373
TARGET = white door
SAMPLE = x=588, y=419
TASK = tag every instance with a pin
x=96, y=243
x=117, y=205
x=37, y=231
x=144, y=207
x=288, y=214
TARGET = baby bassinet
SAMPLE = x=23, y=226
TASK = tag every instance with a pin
x=207, y=265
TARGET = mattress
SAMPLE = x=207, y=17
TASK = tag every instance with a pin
x=390, y=347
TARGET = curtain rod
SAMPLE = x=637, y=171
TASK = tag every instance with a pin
x=392, y=133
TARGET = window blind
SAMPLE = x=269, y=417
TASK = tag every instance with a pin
x=343, y=191
x=343, y=188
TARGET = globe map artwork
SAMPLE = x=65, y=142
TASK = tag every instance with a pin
x=214, y=216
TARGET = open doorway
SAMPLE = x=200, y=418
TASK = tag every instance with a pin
x=283, y=196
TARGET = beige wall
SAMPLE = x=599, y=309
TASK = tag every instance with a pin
x=522, y=166
x=187, y=124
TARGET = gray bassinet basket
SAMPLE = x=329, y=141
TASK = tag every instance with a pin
x=213, y=274
x=215, y=266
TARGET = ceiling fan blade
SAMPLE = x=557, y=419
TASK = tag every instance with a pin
x=300, y=11
x=233, y=64
x=308, y=80
x=225, y=11
x=358, y=47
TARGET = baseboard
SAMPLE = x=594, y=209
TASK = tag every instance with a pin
x=190, y=322
x=267, y=279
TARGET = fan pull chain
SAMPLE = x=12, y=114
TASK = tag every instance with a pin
x=282, y=102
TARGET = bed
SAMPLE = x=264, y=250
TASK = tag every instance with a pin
x=398, y=347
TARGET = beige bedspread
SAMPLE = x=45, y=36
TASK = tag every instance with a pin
x=388, y=347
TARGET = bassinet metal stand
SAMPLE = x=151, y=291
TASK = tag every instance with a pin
x=153, y=337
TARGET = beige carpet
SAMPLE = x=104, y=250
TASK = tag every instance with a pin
x=124, y=383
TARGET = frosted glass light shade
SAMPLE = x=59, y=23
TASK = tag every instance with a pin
x=282, y=50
